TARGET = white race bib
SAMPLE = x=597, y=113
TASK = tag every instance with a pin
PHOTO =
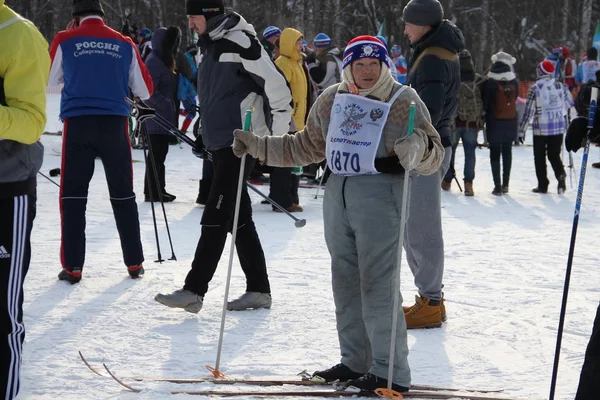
x=355, y=131
x=553, y=104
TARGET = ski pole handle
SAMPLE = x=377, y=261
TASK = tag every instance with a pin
x=247, y=120
x=593, y=107
x=411, y=118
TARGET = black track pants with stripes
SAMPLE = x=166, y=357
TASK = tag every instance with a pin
x=16, y=219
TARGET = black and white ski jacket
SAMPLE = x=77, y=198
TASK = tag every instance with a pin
x=235, y=74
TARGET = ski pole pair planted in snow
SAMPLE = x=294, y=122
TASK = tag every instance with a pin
x=142, y=111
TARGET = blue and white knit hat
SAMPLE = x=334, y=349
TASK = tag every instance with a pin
x=322, y=40
x=365, y=47
x=271, y=31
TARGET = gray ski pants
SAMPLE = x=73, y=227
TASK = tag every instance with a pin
x=362, y=228
x=423, y=238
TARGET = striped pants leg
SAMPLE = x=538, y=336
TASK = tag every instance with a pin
x=16, y=219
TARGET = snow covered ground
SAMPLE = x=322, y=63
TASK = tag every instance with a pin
x=505, y=263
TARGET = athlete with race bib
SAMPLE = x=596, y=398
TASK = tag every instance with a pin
x=360, y=126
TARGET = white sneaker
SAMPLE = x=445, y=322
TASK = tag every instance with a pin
x=250, y=300
x=185, y=299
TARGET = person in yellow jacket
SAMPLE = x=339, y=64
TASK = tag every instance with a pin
x=284, y=184
x=24, y=67
x=290, y=63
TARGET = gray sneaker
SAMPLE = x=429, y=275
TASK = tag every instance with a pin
x=185, y=299
x=250, y=300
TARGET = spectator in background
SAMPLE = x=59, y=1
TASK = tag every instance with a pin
x=24, y=66
x=144, y=40
x=500, y=93
x=270, y=35
x=400, y=63
x=284, y=184
x=325, y=63
x=469, y=119
x=547, y=103
x=588, y=68
x=163, y=69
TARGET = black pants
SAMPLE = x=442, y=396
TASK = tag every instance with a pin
x=16, y=219
x=589, y=382
x=157, y=152
x=503, y=149
x=284, y=187
x=206, y=180
x=84, y=139
x=217, y=221
x=551, y=146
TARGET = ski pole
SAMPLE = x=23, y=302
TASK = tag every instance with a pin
x=563, y=309
x=321, y=181
x=238, y=199
x=160, y=194
x=299, y=223
x=47, y=177
x=390, y=392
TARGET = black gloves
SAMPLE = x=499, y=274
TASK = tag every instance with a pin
x=576, y=134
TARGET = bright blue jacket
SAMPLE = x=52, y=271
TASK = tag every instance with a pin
x=98, y=66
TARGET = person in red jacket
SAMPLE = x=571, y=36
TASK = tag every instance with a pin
x=98, y=67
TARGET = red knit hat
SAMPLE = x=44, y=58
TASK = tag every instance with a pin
x=546, y=68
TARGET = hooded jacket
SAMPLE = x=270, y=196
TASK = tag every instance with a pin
x=435, y=74
x=162, y=67
x=290, y=63
x=24, y=66
x=236, y=74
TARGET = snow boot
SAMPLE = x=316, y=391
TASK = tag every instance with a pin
x=293, y=208
x=250, y=300
x=71, y=276
x=539, y=190
x=446, y=185
x=136, y=271
x=426, y=313
x=505, y=188
x=469, y=189
x=181, y=298
x=497, y=191
x=562, y=185
x=338, y=372
x=370, y=383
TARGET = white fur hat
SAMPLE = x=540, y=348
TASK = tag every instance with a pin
x=504, y=58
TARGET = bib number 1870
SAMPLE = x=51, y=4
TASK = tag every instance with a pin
x=345, y=162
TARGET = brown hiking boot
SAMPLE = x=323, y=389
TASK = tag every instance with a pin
x=423, y=315
x=446, y=185
x=406, y=309
x=469, y=189
x=293, y=208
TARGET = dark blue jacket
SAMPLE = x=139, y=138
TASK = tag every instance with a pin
x=436, y=75
x=160, y=63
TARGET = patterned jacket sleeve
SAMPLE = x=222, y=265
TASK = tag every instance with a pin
x=529, y=111
x=262, y=70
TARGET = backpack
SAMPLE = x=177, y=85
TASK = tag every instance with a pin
x=506, y=98
x=470, y=104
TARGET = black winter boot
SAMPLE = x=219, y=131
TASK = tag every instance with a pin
x=338, y=372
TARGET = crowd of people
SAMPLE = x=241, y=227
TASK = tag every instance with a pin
x=313, y=105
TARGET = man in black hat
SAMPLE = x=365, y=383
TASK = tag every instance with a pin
x=434, y=72
x=23, y=78
x=234, y=74
x=98, y=66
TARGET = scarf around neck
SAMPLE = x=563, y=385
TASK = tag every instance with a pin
x=381, y=90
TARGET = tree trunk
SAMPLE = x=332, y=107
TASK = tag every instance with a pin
x=565, y=20
x=586, y=24
x=483, y=44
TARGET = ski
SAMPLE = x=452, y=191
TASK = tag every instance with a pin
x=300, y=186
x=335, y=393
x=258, y=382
x=312, y=393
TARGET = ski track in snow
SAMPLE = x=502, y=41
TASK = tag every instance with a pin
x=504, y=274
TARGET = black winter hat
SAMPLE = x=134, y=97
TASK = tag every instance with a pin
x=87, y=6
x=208, y=8
x=466, y=61
x=423, y=12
